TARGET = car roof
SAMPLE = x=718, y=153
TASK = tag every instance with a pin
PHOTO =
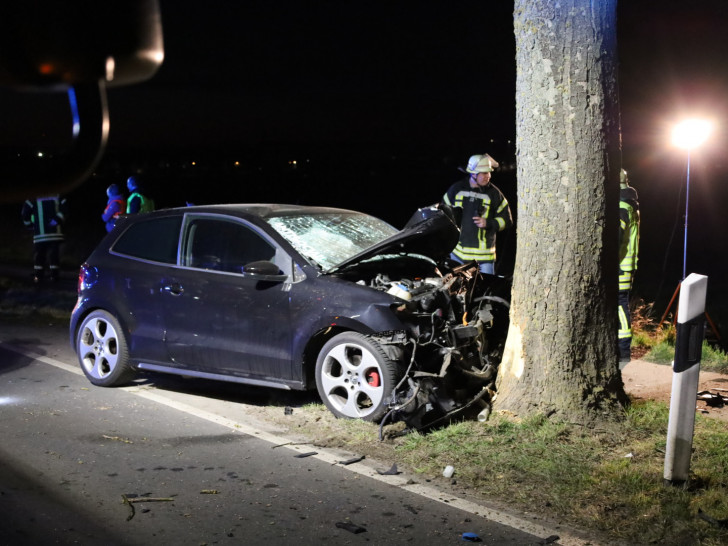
x=263, y=210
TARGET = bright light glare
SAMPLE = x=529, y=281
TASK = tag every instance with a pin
x=691, y=133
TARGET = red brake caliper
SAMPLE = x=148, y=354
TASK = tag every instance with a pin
x=373, y=379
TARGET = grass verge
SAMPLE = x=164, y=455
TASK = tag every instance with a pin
x=609, y=480
x=657, y=342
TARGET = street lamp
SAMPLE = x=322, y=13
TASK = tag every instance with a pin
x=689, y=134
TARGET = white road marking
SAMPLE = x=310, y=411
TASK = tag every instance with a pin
x=364, y=468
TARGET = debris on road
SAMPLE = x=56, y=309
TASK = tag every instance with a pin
x=129, y=500
x=351, y=527
x=391, y=472
x=352, y=460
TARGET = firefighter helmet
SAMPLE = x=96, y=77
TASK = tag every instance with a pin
x=481, y=163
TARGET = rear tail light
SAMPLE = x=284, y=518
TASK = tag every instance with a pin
x=87, y=277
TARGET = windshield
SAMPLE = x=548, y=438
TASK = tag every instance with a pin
x=328, y=239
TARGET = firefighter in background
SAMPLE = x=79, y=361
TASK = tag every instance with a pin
x=485, y=212
x=45, y=215
x=137, y=201
x=115, y=206
x=629, y=238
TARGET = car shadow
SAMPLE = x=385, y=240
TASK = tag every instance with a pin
x=11, y=361
x=238, y=393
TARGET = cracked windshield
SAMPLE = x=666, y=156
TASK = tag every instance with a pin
x=329, y=239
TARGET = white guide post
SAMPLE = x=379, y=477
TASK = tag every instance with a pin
x=686, y=371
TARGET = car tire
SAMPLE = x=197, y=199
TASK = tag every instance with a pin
x=103, y=351
x=355, y=378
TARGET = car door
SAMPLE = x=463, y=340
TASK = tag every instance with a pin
x=220, y=320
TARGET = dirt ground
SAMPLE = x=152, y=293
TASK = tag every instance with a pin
x=645, y=380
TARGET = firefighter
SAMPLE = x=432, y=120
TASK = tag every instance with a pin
x=629, y=238
x=115, y=206
x=137, y=201
x=45, y=215
x=485, y=212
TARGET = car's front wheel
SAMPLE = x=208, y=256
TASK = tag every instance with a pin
x=354, y=377
x=103, y=351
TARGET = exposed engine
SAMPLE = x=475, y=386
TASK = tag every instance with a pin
x=449, y=354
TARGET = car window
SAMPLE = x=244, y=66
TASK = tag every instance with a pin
x=155, y=239
x=224, y=245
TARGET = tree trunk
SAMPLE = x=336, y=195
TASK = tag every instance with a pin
x=561, y=354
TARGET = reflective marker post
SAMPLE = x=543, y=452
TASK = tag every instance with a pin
x=686, y=371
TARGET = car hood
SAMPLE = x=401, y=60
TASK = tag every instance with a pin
x=430, y=232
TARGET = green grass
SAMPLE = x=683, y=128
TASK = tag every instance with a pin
x=713, y=358
x=609, y=479
x=660, y=342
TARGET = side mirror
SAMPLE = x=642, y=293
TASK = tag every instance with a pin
x=264, y=271
x=79, y=47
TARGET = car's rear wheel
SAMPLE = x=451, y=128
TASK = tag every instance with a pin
x=103, y=351
x=354, y=377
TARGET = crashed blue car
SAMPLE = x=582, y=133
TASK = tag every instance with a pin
x=294, y=297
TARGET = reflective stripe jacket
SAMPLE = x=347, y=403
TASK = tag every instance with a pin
x=478, y=243
x=629, y=235
x=46, y=216
x=114, y=208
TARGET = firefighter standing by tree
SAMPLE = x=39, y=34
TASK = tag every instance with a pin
x=485, y=212
x=46, y=216
x=629, y=237
x=137, y=201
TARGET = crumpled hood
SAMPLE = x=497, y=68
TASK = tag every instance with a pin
x=430, y=232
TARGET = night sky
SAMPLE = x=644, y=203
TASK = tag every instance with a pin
x=429, y=83
x=359, y=72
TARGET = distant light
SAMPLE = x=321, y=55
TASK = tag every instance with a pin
x=40, y=154
x=691, y=133
x=193, y=163
x=110, y=69
x=237, y=163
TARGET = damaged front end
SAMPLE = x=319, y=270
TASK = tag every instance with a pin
x=454, y=325
x=449, y=353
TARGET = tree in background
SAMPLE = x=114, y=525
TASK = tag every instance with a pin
x=561, y=354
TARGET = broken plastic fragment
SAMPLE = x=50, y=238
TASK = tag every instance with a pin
x=449, y=471
x=470, y=537
x=391, y=472
x=352, y=460
x=307, y=454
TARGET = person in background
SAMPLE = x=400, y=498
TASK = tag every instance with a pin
x=45, y=215
x=137, y=201
x=115, y=206
x=485, y=212
x=629, y=238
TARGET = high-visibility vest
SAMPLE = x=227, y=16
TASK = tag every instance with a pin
x=629, y=236
x=147, y=204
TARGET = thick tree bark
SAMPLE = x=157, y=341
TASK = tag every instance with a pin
x=561, y=356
